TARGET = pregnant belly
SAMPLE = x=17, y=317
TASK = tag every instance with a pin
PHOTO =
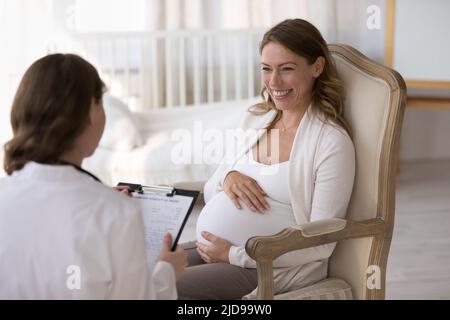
x=221, y=218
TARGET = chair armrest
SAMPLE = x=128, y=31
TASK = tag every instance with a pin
x=264, y=249
x=321, y=227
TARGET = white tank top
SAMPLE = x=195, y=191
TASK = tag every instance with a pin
x=222, y=218
x=273, y=179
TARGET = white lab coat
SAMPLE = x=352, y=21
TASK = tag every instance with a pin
x=64, y=235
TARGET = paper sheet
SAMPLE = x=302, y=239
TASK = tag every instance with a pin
x=161, y=214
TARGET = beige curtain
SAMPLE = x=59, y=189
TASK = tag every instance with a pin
x=24, y=27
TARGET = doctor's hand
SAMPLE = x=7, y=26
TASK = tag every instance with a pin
x=216, y=252
x=124, y=189
x=241, y=187
x=177, y=258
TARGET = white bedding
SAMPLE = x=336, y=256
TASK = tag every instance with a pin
x=151, y=163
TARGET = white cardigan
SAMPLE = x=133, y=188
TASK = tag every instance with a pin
x=321, y=175
x=58, y=226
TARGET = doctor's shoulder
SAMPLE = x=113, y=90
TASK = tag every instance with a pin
x=7, y=183
x=3, y=186
x=112, y=201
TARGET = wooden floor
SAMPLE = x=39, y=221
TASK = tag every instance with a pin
x=419, y=259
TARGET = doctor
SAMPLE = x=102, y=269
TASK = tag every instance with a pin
x=63, y=234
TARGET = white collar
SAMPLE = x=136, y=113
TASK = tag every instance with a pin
x=39, y=171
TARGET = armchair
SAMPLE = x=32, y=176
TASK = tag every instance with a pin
x=374, y=107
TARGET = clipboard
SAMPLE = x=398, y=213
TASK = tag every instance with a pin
x=164, y=209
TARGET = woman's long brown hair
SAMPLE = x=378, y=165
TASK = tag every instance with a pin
x=51, y=109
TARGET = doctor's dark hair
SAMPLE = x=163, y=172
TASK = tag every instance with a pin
x=51, y=109
x=303, y=39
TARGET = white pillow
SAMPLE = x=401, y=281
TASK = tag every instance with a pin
x=217, y=115
x=121, y=132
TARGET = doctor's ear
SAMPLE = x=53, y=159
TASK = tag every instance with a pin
x=318, y=66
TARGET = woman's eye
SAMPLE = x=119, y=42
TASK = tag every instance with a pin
x=265, y=69
x=287, y=69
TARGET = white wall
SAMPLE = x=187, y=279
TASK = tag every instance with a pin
x=351, y=27
x=421, y=51
x=421, y=39
x=425, y=134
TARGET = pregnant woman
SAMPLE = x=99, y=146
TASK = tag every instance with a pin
x=299, y=169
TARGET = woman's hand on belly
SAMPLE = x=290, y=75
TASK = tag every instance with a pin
x=216, y=252
x=238, y=186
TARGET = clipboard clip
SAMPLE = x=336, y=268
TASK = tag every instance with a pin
x=166, y=190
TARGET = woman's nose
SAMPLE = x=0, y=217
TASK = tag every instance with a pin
x=275, y=80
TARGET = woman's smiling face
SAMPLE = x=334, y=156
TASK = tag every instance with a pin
x=288, y=77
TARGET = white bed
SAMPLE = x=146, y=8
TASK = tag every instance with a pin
x=138, y=147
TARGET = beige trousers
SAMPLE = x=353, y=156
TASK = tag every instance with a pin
x=207, y=281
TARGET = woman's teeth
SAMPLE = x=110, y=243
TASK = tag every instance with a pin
x=280, y=94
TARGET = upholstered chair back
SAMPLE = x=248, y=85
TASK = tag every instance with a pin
x=374, y=106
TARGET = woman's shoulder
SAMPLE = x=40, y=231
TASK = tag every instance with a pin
x=334, y=136
x=335, y=131
x=256, y=116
